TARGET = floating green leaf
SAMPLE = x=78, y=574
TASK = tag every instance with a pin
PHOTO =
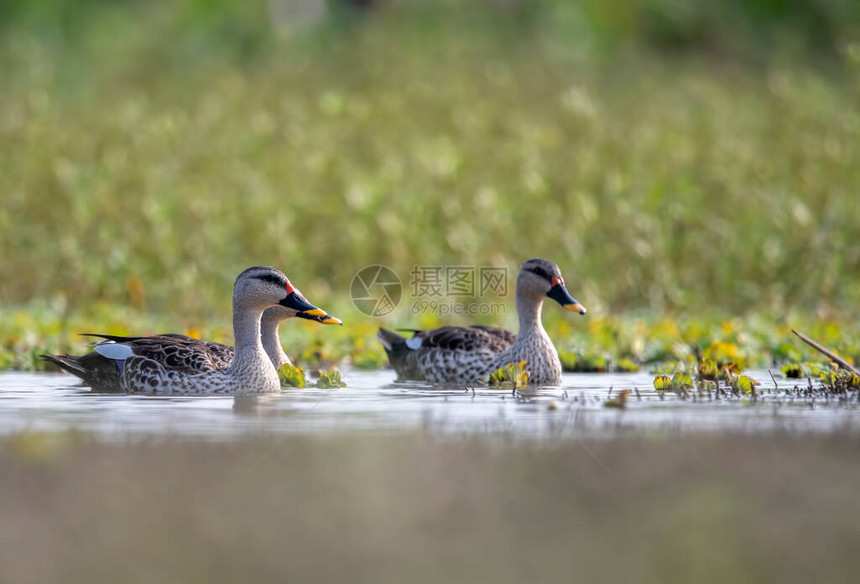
x=681, y=382
x=707, y=385
x=330, y=380
x=514, y=375
x=662, y=383
x=742, y=384
x=708, y=369
x=292, y=376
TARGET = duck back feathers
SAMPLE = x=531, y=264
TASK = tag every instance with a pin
x=467, y=355
x=448, y=354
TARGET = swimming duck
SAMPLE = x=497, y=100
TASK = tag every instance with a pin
x=190, y=365
x=175, y=351
x=467, y=355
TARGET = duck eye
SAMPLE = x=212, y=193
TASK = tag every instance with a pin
x=271, y=278
x=541, y=272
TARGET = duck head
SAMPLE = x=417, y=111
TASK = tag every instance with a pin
x=539, y=278
x=264, y=287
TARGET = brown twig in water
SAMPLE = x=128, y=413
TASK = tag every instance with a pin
x=832, y=356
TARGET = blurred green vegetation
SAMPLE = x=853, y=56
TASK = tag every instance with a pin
x=599, y=343
x=687, y=159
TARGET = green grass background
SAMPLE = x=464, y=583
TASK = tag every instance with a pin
x=678, y=160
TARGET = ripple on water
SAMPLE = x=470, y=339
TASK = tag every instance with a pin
x=376, y=402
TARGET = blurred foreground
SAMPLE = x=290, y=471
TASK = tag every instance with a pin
x=424, y=509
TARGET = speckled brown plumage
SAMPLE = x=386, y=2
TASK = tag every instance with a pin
x=467, y=355
x=173, y=363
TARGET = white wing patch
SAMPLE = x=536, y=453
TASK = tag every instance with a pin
x=114, y=351
x=414, y=343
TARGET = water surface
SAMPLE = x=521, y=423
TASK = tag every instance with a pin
x=376, y=402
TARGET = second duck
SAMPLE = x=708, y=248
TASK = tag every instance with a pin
x=467, y=355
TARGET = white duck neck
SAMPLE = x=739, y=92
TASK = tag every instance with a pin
x=246, y=334
x=529, y=313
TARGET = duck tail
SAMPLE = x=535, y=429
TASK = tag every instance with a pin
x=95, y=370
x=390, y=340
x=114, y=338
x=395, y=347
x=67, y=363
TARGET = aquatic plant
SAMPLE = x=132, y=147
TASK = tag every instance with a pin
x=625, y=365
x=680, y=383
x=708, y=369
x=838, y=379
x=662, y=383
x=292, y=376
x=794, y=370
x=330, y=380
x=741, y=384
x=513, y=375
x=27, y=332
x=583, y=362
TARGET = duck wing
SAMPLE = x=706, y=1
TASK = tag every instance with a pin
x=505, y=336
x=445, y=354
x=177, y=352
x=465, y=338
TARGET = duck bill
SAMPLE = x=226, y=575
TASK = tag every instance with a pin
x=303, y=308
x=306, y=310
x=560, y=294
x=327, y=319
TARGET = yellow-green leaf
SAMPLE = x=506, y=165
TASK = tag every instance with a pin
x=742, y=384
x=330, y=380
x=681, y=381
x=291, y=376
x=662, y=383
x=708, y=369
